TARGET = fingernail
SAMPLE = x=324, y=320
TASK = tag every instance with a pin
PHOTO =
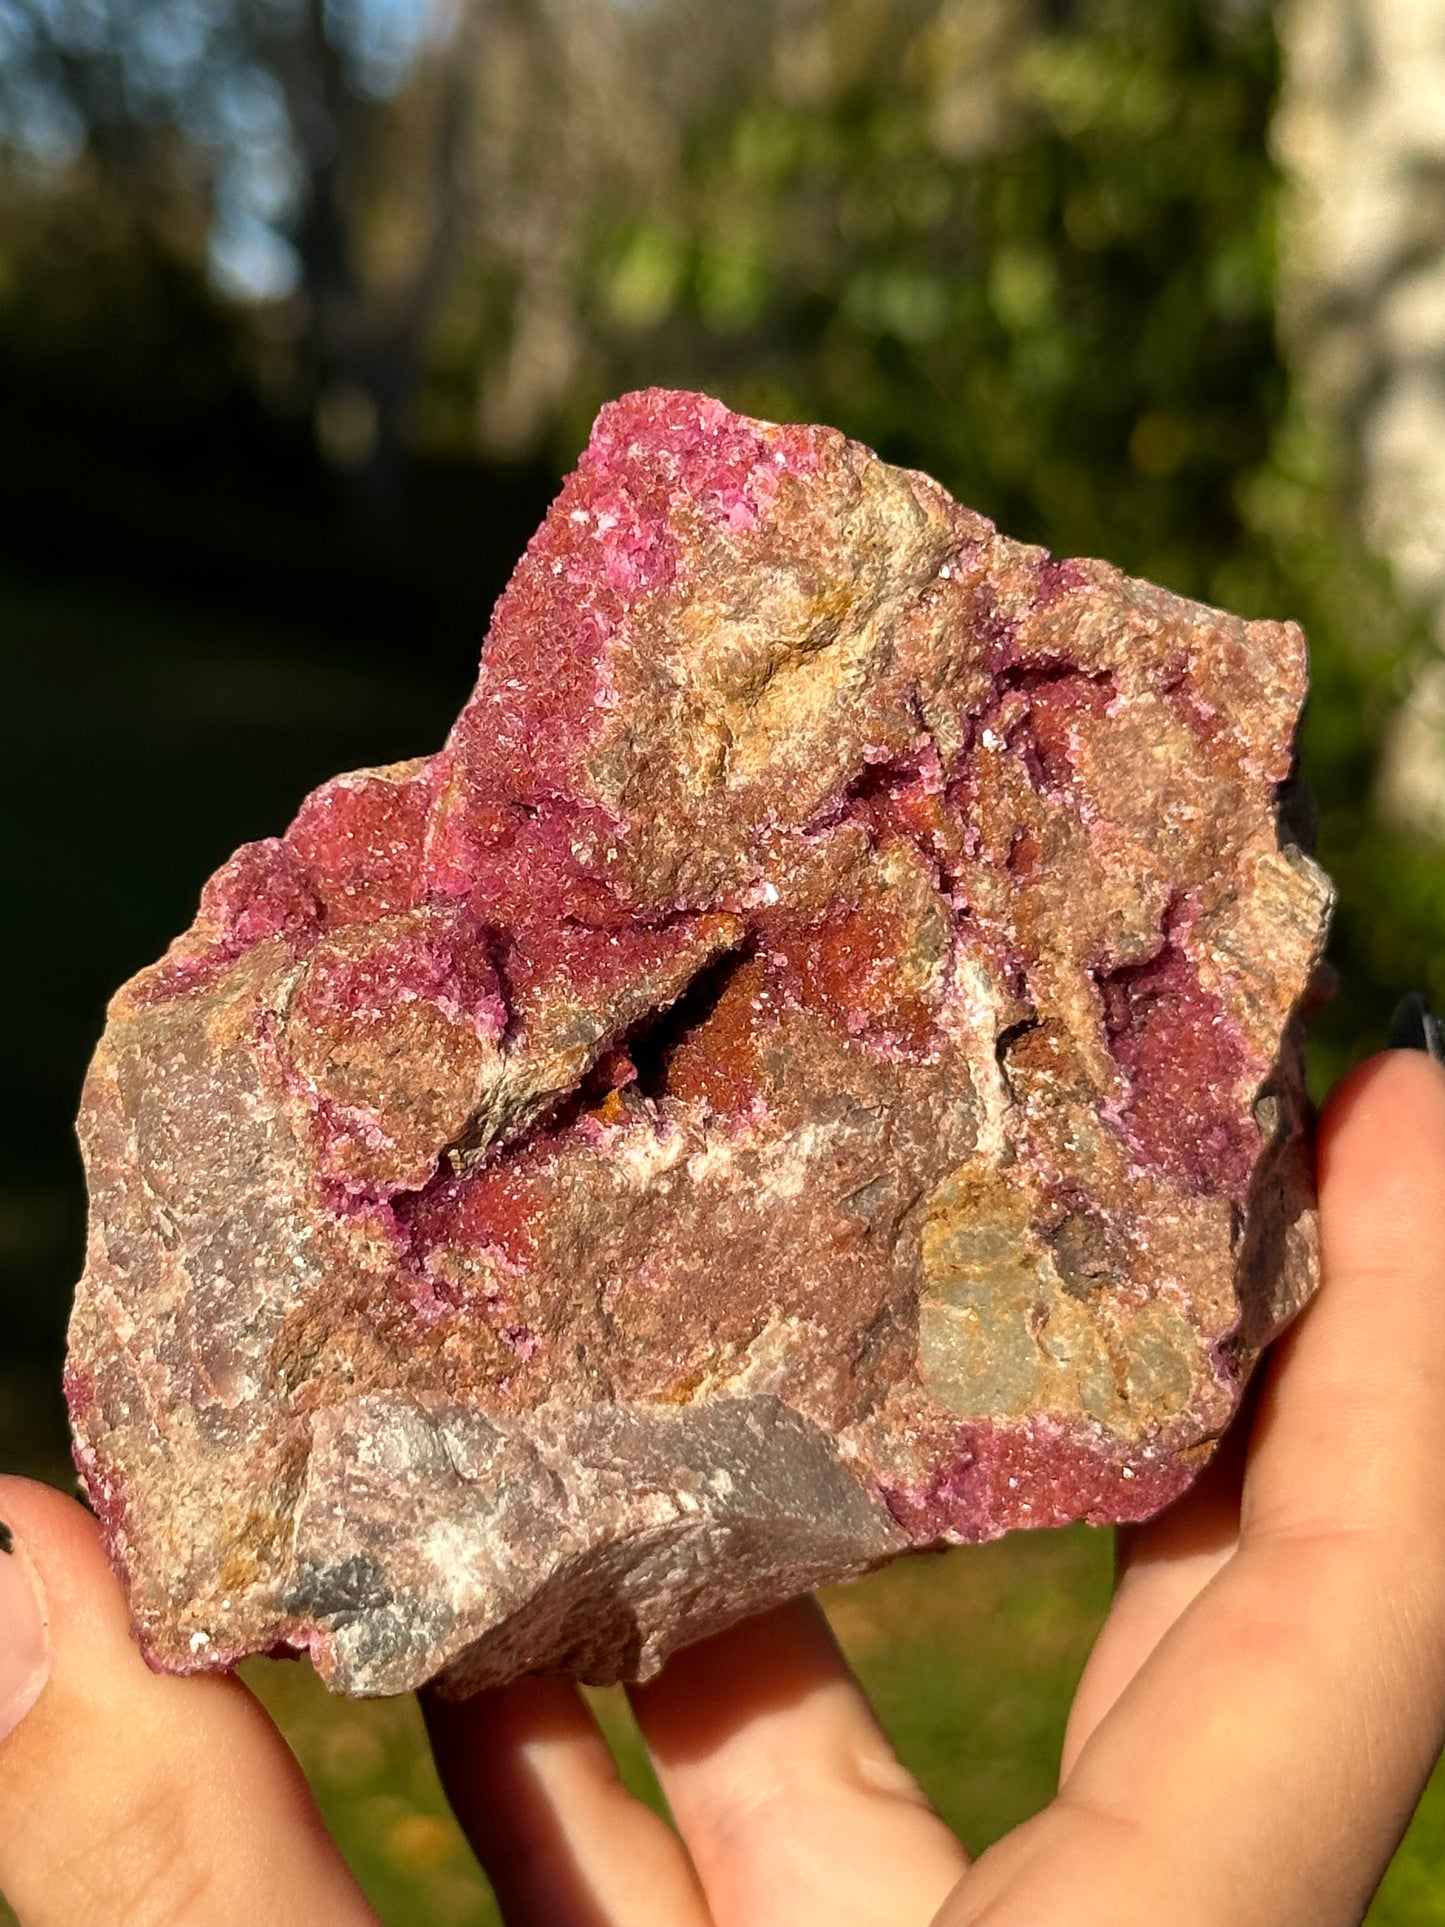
x=1415, y=1026
x=24, y=1634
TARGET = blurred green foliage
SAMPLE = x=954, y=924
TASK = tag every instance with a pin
x=1040, y=262
x=1037, y=263
x=1033, y=250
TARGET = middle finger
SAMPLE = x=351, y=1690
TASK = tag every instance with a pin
x=537, y=1792
x=792, y=1803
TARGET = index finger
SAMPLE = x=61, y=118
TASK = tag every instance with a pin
x=1350, y=1434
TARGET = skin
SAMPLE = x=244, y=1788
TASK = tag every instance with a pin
x=1261, y=1711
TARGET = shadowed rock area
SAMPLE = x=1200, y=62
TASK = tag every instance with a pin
x=810, y=1069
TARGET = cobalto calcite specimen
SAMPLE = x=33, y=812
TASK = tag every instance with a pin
x=811, y=1069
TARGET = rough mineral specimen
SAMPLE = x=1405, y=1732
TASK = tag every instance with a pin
x=811, y=1069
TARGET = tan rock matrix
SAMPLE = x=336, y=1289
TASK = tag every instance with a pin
x=811, y=1069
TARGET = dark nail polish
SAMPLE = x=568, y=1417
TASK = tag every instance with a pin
x=1415, y=1026
x=7, y=1538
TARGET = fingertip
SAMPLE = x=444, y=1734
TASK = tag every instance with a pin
x=50, y=1517
x=1352, y=1415
x=88, y=1612
x=1393, y=1091
x=25, y=1645
x=1381, y=1171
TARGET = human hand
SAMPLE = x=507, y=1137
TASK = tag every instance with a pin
x=1261, y=1710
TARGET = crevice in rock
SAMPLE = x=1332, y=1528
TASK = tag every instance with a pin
x=865, y=801
x=1010, y=1035
x=1005, y=1041
x=874, y=782
x=652, y=1042
x=1040, y=672
x=1006, y=713
x=883, y=779
x=1296, y=815
x=637, y=1058
x=1124, y=988
x=500, y=947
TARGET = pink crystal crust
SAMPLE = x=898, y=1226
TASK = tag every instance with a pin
x=810, y=1069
